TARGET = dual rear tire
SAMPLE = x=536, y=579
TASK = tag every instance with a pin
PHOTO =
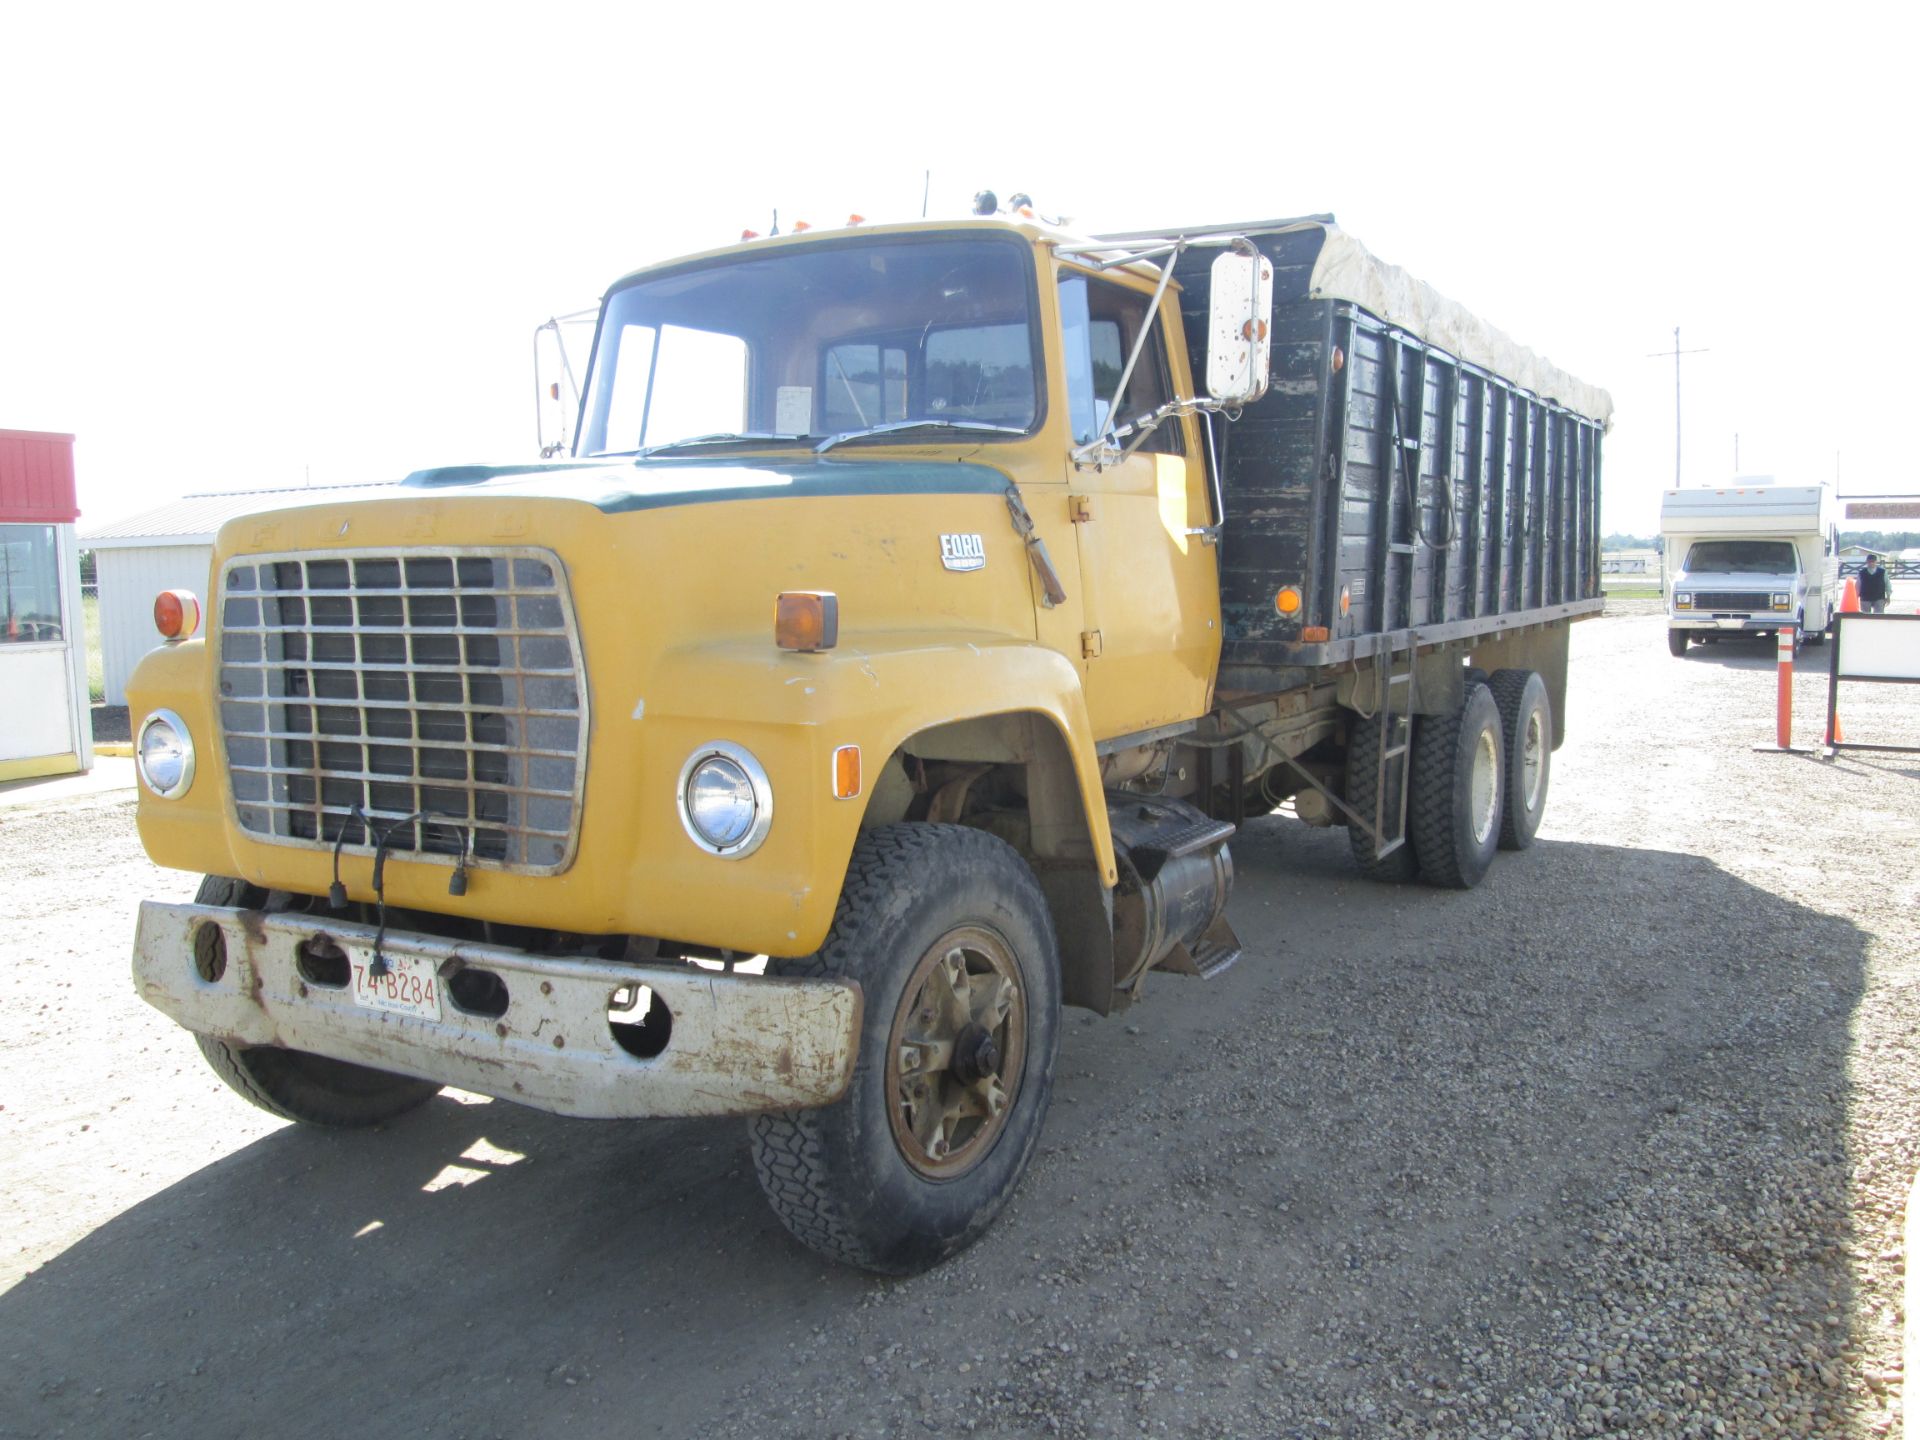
x=1478, y=782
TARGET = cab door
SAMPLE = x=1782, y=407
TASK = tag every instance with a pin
x=1150, y=590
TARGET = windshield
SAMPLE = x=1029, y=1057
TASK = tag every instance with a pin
x=818, y=341
x=1725, y=557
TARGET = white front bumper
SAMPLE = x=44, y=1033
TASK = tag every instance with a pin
x=739, y=1045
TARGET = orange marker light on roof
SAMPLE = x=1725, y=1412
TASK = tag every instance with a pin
x=806, y=620
x=800, y=225
x=749, y=234
x=176, y=614
x=846, y=772
x=856, y=219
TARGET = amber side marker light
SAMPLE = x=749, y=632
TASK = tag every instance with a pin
x=176, y=614
x=1287, y=602
x=1315, y=634
x=846, y=772
x=806, y=620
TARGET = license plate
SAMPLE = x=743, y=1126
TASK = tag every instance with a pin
x=408, y=986
x=1736, y=624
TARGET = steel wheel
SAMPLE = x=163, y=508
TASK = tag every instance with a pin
x=1533, y=759
x=955, y=1053
x=1486, y=785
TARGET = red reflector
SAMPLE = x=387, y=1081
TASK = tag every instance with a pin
x=176, y=614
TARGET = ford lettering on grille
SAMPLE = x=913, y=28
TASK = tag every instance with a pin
x=440, y=681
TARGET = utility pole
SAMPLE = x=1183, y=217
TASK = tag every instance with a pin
x=1676, y=352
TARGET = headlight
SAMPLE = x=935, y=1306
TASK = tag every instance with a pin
x=1782, y=602
x=1682, y=601
x=164, y=755
x=726, y=801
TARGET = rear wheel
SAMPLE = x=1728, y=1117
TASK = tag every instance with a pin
x=947, y=932
x=1454, y=810
x=1526, y=727
x=1676, y=642
x=293, y=1084
x=1363, y=791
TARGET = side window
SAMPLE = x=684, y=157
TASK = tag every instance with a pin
x=29, y=585
x=1101, y=322
x=865, y=384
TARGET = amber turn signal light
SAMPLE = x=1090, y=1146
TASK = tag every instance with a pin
x=1287, y=602
x=846, y=772
x=176, y=614
x=1315, y=635
x=806, y=620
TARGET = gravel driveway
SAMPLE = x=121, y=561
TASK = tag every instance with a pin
x=1616, y=1144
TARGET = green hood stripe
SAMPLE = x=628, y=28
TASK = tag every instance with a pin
x=655, y=484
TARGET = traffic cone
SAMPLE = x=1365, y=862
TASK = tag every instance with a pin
x=1835, y=736
x=1850, y=597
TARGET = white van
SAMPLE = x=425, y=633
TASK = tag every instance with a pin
x=1747, y=558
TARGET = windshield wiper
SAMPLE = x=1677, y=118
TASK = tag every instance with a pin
x=718, y=437
x=891, y=426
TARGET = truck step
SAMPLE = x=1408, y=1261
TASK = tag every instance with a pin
x=1217, y=949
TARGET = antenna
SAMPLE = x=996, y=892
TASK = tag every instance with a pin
x=926, y=190
x=1677, y=352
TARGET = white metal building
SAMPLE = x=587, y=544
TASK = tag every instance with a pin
x=167, y=548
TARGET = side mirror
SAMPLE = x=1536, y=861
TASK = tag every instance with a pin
x=1239, y=327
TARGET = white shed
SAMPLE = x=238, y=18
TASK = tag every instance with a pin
x=166, y=548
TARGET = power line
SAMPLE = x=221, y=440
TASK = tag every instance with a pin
x=1676, y=352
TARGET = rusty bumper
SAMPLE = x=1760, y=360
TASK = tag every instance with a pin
x=738, y=1045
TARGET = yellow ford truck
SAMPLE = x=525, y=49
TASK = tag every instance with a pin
x=919, y=611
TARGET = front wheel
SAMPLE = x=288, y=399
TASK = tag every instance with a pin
x=1676, y=643
x=947, y=933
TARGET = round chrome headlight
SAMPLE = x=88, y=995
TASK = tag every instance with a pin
x=725, y=799
x=164, y=755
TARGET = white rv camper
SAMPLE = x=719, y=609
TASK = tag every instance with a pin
x=1747, y=558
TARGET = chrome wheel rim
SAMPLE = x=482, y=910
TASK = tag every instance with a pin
x=956, y=1052
x=1533, y=760
x=1485, y=794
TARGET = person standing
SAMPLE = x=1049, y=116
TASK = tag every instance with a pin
x=1875, y=588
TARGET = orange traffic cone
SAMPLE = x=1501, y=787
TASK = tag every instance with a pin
x=1850, y=597
x=1834, y=734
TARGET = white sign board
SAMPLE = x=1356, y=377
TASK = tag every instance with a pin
x=1878, y=647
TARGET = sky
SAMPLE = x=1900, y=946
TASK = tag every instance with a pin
x=274, y=245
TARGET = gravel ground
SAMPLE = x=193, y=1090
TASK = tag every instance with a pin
x=1616, y=1144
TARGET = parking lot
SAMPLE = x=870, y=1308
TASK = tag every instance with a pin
x=1616, y=1144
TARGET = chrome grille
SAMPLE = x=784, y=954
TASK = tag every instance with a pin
x=1741, y=600
x=386, y=684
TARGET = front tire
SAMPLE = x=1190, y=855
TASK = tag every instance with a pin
x=1676, y=643
x=946, y=931
x=1454, y=810
x=292, y=1084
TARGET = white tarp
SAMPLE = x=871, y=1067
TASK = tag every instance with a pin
x=1346, y=270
